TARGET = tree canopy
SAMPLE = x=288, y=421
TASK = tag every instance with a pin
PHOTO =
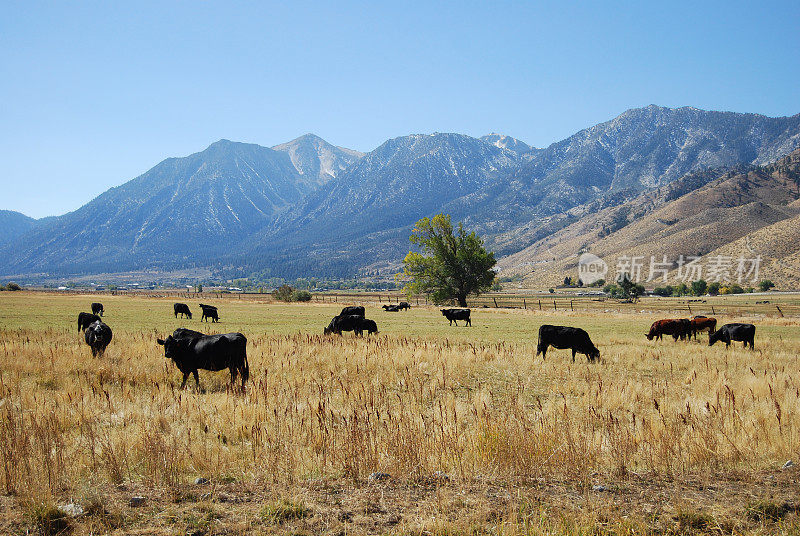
x=452, y=264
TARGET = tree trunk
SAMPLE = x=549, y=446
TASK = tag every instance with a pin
x=462, y=301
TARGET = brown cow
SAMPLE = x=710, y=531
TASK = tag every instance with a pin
x=677, y=327
x=703, y=323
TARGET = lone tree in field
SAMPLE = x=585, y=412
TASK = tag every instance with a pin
x=452, y=265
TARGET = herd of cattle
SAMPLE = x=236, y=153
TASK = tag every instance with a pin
x=191, y=350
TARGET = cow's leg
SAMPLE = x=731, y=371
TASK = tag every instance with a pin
x=196, y=378
x=469, y=321
x=573, y=355
x=185, y=377
x=234, y=373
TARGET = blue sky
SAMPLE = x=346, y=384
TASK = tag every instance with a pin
x=94, y=94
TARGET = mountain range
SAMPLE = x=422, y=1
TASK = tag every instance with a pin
x=309, y=208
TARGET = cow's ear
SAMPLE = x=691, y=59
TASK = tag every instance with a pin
x=161, y=341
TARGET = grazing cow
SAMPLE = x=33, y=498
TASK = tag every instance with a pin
x=677, y=327
x=342, y=323
x=703, y=323
x=366, y=325
x=97, y=308
x=403, y=305
x=208, y=352
x=391, y=308
x=84, y=319
x=209, y=311
x=183, y=310
x=98, y=336
x=457, y=314
x=357, y=310
x=745, y=333
x=562, y=337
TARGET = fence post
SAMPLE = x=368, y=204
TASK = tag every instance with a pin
x=779, y=311
x=495, y=302
x=524, y=305
x=712, y=310
x=554, y=306
x=570, y=306
x=540, y=305
x=690, y=308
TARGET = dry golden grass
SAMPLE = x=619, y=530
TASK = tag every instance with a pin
x=520, y=438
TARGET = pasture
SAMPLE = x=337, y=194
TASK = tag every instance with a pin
x=476, y=433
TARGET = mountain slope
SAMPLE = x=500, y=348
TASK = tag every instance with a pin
x=639, y=150
x=365, y=213
x=13, y=225
x=317, y=160
x=695, y=215
x=182, y=210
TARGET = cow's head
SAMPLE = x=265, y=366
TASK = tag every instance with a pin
x=171, y=347
x=649, y=336
x=445, y=311
x=594, y=355
x=714, y=337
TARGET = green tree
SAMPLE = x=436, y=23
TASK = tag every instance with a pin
x=681, y=289
x=765, y=285
x=713, y=288
x=630, y=290
x=699, y=287
x=452, y=265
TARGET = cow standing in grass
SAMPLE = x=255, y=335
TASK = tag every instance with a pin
x=183, y=310
x=745, y=333
x=453, y=315
x=98, y=336
x=209, y=311
x=677, y=327
x=563, y=337
x=342, y=323
x=703, y=323
x=97, y=309
x=208, y=352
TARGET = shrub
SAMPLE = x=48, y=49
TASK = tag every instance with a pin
x=11, y=286
x=699, y=287
x=713, y=288
x=283, y=293
x=663, y=291
x=301, y=295
x=765, y=285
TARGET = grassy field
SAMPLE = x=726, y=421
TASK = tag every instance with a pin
x=476, y=433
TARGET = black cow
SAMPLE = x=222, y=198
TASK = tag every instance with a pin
x=97, y=308
x=342, y=323
x=98, y=336
x=357, y=310
x=209, y=311
x=208, y=352
x=403, y=305
x=745, y=333
x=457, y=314
x=183, y=310
x=391, y=308
x=366, y=325
x=562, y=337
x=84, y=319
